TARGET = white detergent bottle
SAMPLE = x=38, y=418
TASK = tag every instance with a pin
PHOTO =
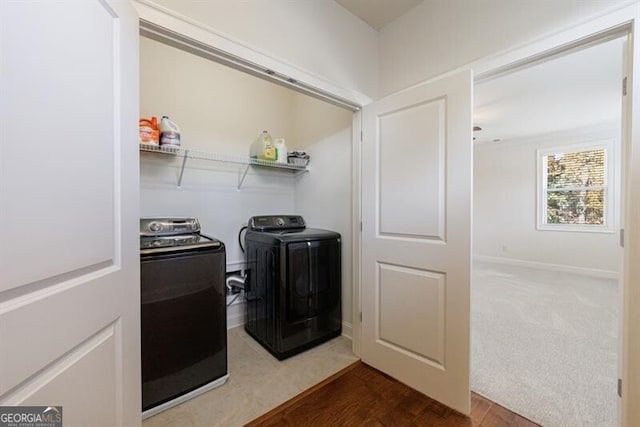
x=169, y=132
x=281, y=149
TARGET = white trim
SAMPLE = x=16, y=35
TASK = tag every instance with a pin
x=630, y=371
x=181, y=25
x=579, y=35
x=609, y=34
x=178, y=400
x=356, y=232
x=584, y=134
x=610, y=188
x=593, y=272
x=235, y=312
x=347, y=330
x=236, y=265
x=578, y=228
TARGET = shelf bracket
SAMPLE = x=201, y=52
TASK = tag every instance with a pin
x=244, y=175
x=184, y=162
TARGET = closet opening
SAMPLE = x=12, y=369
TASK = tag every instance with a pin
x=222, y=104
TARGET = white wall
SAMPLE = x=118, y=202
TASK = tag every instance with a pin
x=318, y=36
x=441, y=35
x=216, y=107
x=504, y=215
x=323, y=196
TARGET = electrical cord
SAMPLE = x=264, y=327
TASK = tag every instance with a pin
x=243, y=251
x=235, y=282
x=233, y=300
x=240, y=237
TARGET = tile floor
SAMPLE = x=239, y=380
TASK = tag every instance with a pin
x=257, y=383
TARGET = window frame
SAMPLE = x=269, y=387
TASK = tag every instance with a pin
x=610, y=188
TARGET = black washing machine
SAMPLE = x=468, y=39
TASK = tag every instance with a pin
x=183, y=312
x=293, y=291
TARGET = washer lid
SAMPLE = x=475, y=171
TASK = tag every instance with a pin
x=290, y=236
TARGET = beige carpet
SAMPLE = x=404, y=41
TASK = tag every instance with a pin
x=545, y=344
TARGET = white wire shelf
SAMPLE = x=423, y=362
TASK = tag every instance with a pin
x=186, y=153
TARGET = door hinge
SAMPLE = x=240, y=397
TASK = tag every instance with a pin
x=620, y=387
x=360, y=316
x=360, y=225
x=360, y=136
x=624, y=86
x=622, y=237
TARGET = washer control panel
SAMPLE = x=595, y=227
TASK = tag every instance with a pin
x=276, y=222
x=168, y=226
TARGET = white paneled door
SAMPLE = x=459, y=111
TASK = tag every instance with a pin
x=69, y=266
x=416, y=212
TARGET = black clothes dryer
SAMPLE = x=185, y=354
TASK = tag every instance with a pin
x=293, y=291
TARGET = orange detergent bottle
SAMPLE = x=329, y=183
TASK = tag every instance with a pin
x=149, y=131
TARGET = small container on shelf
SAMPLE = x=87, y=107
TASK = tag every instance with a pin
x=298, y=158
x=281, y=150
x=169, y=133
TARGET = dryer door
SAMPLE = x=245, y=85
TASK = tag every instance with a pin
x=313, y=279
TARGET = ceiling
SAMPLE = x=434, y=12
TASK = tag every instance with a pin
x=378, y=13
x=578, y=91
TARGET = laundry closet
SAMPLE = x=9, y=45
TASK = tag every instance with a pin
x=220, y=112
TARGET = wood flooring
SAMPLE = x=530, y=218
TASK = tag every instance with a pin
x=362, y=396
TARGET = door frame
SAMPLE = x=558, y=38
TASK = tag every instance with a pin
x=622, y=22
x=624, y=147
x=627, y=15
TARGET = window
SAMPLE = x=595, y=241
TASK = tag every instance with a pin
x=574, y=188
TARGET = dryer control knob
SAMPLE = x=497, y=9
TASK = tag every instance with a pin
x=155, y=226
x=280, y=222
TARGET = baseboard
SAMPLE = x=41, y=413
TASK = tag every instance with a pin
x=235, y=321
x=236, y=265
x=347, y=330
x=603, y=274
x=235, y=313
